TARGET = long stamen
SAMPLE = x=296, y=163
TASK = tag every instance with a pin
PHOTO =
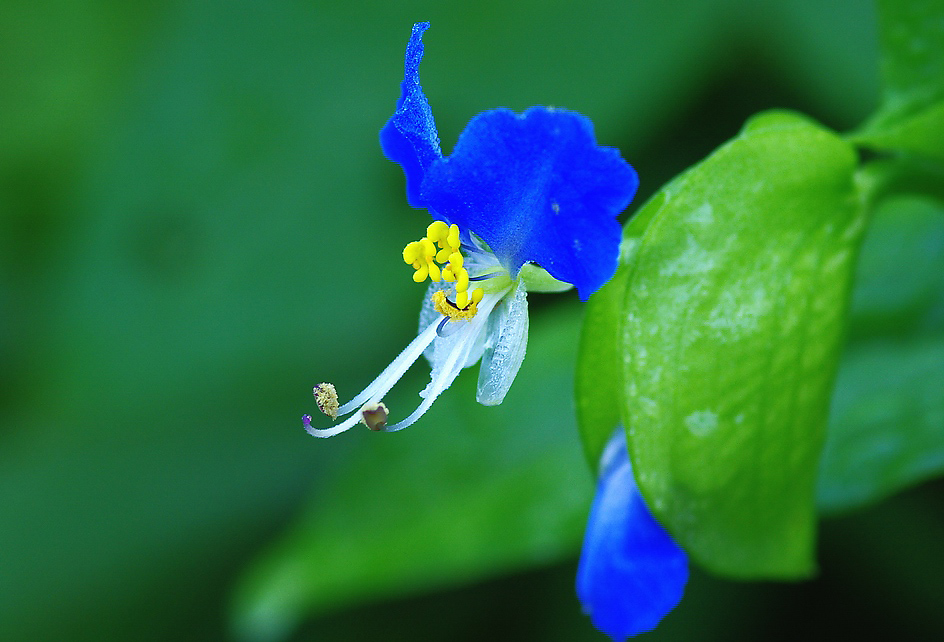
x=392, y=373
x=331, y=431
x=460, y=325
x=454, y=363
x=372, y=414
x=449, y=373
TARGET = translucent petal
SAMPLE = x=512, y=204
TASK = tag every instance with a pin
x=472, y=335
x=428, y=312
x=444, y=347
x=477, y=349
x=448, y=367
x=410, y=138
x=631, y=572
x=536, y=187
x=505, y=345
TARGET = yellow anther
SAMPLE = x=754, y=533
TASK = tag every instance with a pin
x=428, y=249
x=452, y=240
x=411, y=252
x=462, y=280
x=443, y=263
x=462, y=299
x=477, y=295
x=447, y=308
x=437, y=231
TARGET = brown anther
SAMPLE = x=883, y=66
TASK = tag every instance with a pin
x=374, y=416
x=327, y=399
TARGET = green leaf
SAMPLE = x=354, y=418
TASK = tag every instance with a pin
x=468, y=492
x=920, y=133
x=911, y=118
x=731, y=334
x=599, y=375
x=900, y=174
x=887, y=422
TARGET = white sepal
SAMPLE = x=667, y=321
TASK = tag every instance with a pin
x=428, y=311
x=505, y=345
x=447, y=363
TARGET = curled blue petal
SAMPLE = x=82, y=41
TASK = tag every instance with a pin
x=410, y=138
x=631, y=572
x=536, y=187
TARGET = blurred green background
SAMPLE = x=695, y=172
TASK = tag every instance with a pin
x=197, y=225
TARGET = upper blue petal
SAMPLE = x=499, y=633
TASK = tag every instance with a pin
x=536, y=187
x=631, y=572
x=410, y=137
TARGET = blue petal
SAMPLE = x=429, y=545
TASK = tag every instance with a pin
x=631, y=572
x=536, y=187
x=410, y=138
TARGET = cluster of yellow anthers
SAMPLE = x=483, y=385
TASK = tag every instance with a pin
x=424, y=256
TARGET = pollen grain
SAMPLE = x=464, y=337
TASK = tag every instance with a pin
x=327, y=399
x=454, y=311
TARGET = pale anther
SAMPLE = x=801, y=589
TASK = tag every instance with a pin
x=327, y=399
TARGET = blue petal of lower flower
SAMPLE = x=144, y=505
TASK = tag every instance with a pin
x=410, y=138
x=631, y=572
x=536, y=187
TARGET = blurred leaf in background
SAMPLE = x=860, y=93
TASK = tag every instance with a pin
x=911, y=117
x=176, y=183
x=887, y=424
x=418, y=512
x=193, y=205
x=888, y=407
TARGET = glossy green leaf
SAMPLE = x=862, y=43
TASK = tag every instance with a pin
x=887, y=420
x=468, y=492
x=599, y=374
x=911, y=118
x=732, y=322
x=599, y=377
x=921, y=133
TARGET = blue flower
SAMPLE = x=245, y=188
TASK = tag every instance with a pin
x=526, y=202
x=631, y=572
